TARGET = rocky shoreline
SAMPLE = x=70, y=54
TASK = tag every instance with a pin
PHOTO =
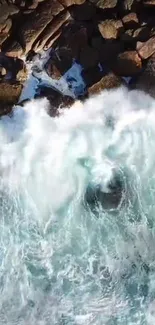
x=110, y=39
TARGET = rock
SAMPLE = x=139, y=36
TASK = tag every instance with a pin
x=89, y=57
x=68, y=3
x=105, y=4
x=22, y=74
x=146, y=80
x=59, y=63
x=109, y=51
x=110, y=28
x=92, y=75
x=127, y=64
x=130, y=21
x=2, y=71
x=36, y=22
x=146, y=49
x=9, y=95
x=84, y=12
x=111, y=199
x=128, y=5
x=107, y=82
x=52, y=28
x=74, y=38
x=57, y=100
x=141, y=34
x=149, y=3
x=13, y=49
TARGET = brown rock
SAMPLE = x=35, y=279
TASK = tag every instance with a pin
x=107, y=82
x=130, y=20
x=6, y=11
x=37, y=22
x=110, y=28
x=57, y=100
x=127, y=64
x=147, y=49
x=50, y=30
x=52, y=39
x=59, y=63
x=88, y=57
x=129, y=5
x=13, y=49
x=9, y=95
x=84, y=12
x=67, y=3
x=105, y=4
x=146, y=81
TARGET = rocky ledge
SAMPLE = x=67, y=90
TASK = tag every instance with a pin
x=109, y=39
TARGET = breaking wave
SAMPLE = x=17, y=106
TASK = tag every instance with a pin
x=65, y=258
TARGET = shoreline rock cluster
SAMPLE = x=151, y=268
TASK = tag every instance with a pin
x=111, y=39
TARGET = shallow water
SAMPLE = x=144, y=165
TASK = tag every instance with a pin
x=61, y=262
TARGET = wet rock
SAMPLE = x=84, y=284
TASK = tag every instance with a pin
x=9, y=95
x=59, y=63
x=48, y=35
x=146, y=80
x=84, y=12
x=105, y=4
x=89, y=57
x=109, y=81
x=68, y=3
x=92, y=76
x=145, y=50
x=36, y=22
x=130, y=21
x=110, y=28
x=57, y=100
x=95, y=196
x=127, y=64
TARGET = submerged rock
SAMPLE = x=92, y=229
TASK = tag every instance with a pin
x=111, y=199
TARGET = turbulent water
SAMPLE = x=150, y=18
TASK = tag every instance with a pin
x=61, y=262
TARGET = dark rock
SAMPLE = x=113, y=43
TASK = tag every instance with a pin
x=59, y=63
x=146, y=80
x=141, y=34
x=107, y=82
x=105, y=4
x=92, y=75
x=95, y=196
x=57, y=100
x=109, y=51
x=130, y=21
x=111, y=29
x=74, y=37
x=145, y=50
x=88, y=57
x=84, y=12
x=13, y=49
x=127, y=64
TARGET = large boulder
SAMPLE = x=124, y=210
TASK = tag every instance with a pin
x=127, y=64
x=146, y=49
x=146, y=80
x=110, y=28
x=6, y=12
x=35, y=23
x=109, y=81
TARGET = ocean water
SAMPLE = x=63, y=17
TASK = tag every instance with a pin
x=62, y=261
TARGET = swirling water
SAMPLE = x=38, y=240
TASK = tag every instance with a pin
x=61, y=263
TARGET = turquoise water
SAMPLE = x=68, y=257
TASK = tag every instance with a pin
x=62, y=262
